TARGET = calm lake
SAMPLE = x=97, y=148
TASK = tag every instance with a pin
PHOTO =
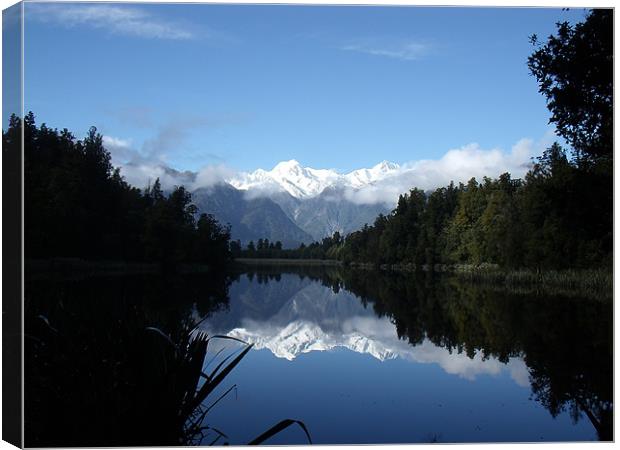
x=358, y=356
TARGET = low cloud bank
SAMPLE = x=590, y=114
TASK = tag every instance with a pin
x=458, y=165
x=141, y=168
x=142, y=174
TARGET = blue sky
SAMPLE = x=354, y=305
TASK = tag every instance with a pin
x=247, y=86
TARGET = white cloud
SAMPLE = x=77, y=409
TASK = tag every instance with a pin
x=400, y=49
x=212, y=174
x=382, y=332
x=142, y=174
x=111, y=141
x=458, y=165
x=519, y=371
x=113, y=18
x=267, y=189
x=120, y=149
x=145, y=172
x=144, y=165
x=468, y=368
x=141, y=168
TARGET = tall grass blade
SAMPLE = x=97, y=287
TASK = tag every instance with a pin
x=220, y=365
x=278, y=428
x=211, y=360
x=221, y=336
x=215, y=440
x=162, y=334
x=207, y=388
x=234, y=386
x=195, y=356
x=204, y=413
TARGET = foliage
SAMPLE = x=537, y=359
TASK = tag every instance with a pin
x=548, y=220
x=326, y=249
x=78, y=205
x=574, y=70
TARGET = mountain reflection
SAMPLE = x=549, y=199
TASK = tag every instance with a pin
x=560, y=347
x=313, y=317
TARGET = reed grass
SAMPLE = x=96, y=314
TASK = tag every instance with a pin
x=590, y=283
x=194, y=386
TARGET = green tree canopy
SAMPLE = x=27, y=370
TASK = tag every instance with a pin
x=575, y=72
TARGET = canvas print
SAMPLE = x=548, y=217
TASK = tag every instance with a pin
x=295, y=224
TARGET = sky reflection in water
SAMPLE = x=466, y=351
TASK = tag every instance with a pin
x=329, y=360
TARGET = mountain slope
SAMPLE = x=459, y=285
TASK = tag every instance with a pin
x=250, y=218
x=295, y=204
x=330, y=211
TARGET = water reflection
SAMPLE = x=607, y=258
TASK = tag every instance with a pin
x=558, y=346
x=358, y=356
x=310, y=317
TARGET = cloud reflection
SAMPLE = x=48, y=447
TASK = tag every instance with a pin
x=316, y=319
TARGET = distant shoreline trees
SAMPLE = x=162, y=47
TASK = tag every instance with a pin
x=264, y=249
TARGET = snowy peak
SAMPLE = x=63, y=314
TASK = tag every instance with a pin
x=305, y=182
x=386, y=166
x=291, y=167
x=301, y=181
x=362, y=177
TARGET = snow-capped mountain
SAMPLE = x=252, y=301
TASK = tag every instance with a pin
x=306, y=182
x=362, y=177
x=295, y=204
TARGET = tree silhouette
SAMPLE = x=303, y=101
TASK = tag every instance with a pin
x=574, y=70
x=78, y=205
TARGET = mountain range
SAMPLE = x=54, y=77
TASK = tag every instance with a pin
x=293, y=204
x=305, y=182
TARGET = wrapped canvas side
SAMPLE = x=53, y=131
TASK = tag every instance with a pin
x=12, y=235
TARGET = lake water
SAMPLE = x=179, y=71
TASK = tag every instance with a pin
x=363, y=357
x=392, y=359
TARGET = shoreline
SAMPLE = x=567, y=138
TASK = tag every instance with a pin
x=81, y=268
x=287, y=262
x=581, y=281
x=599, y=280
